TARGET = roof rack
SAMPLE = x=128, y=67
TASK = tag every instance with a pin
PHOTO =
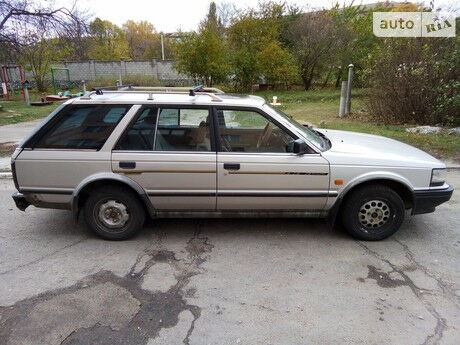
x=199, y=88
x=151, y=90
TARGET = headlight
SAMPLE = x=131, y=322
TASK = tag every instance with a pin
x=438, y=177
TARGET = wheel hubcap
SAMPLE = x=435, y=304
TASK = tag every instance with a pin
x=374, y=214
x=113, y=214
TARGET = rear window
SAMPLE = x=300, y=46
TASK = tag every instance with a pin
x=82, y=126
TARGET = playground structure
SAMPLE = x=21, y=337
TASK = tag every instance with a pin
x=8, y=79
x=53, y=79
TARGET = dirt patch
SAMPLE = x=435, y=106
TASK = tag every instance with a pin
x=383, y=279
x=59, y=317
x=7, y=149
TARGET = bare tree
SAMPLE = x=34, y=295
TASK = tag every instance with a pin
x=14, y=13
x=36, y=34
x=226, y=11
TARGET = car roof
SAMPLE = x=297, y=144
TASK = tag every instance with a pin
x=226, y=99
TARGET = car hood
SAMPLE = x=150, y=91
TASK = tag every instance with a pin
x=367, y=149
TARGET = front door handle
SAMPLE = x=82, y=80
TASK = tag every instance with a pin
x=232, y=166
x=127, y=165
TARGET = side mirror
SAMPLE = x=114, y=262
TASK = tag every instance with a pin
x=300, y=147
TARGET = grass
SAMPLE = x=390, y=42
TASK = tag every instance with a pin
x=321, y=108
x=16, y=110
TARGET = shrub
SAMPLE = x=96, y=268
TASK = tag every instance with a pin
x=415, y=81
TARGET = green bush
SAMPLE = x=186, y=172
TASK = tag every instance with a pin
x=415, y=81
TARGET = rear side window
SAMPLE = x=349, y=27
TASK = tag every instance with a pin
x=82, y=126
x=140, y=136
x=168, y=129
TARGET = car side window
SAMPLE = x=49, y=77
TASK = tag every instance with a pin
x=250, y=131
x=141, y=134
x=82, y=127
x=183, y=129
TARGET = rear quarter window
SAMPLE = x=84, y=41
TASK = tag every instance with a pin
x=82, y=126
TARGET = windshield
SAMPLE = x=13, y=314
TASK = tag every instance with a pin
x=314, y=137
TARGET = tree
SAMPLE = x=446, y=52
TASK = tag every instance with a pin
x=312, y=36
x=16, y=13
x=355, y=39
x=39, y=57
x=203, y=55
x=108, y=41
x=37, y=34
x=143, y=41
x=277, y=64
x=249, y=33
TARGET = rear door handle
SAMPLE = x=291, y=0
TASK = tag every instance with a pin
x=127, y=165
x=232, y=166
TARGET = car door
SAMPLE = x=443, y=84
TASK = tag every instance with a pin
x=168, y=150
x=68, y=148
x=256, y=169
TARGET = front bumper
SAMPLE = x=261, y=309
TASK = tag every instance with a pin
x=425, y=201
x=20, y=201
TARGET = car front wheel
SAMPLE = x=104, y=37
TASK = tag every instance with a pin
x=114, y=213
x=373, y=212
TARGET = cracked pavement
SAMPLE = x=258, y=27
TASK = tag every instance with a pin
x=228, y=281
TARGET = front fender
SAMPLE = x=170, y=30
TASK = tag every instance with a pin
x=372, y=176
x=365, y=178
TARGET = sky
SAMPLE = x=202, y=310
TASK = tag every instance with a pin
x=172, y=15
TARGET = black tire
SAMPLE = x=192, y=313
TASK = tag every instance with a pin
x=373, y=212
x=116, y=203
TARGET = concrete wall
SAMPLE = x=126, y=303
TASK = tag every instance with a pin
x=162, y=70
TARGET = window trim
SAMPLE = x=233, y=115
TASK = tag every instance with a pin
x=261, y=112
x=32, y=141
x=171, y=106
x=131, y=123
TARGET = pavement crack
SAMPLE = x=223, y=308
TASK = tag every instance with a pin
x=44, y=257
x=196, y=316
x=447, y=290
x=69, y=336
x=441, y=323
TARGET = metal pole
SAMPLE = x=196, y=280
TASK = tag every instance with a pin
x=162, y=47
x=26, y=95
x=343, y=99
x=84, y=86
x=349, y=84
x=5, y=80
x=120, y=82
x=53, y=81
x=21, y=77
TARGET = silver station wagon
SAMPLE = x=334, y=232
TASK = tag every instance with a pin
x=121, y=154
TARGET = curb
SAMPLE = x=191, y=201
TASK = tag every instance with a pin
x=6, y=175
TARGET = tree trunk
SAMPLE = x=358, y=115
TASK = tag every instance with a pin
x=326, y=81
x=307, y=77
x=40, y=81
x=339, y=78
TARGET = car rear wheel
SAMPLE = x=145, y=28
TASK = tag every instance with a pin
x=114, y=214
x=373, y=212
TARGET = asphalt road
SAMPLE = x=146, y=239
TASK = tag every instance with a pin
x=246, y=281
